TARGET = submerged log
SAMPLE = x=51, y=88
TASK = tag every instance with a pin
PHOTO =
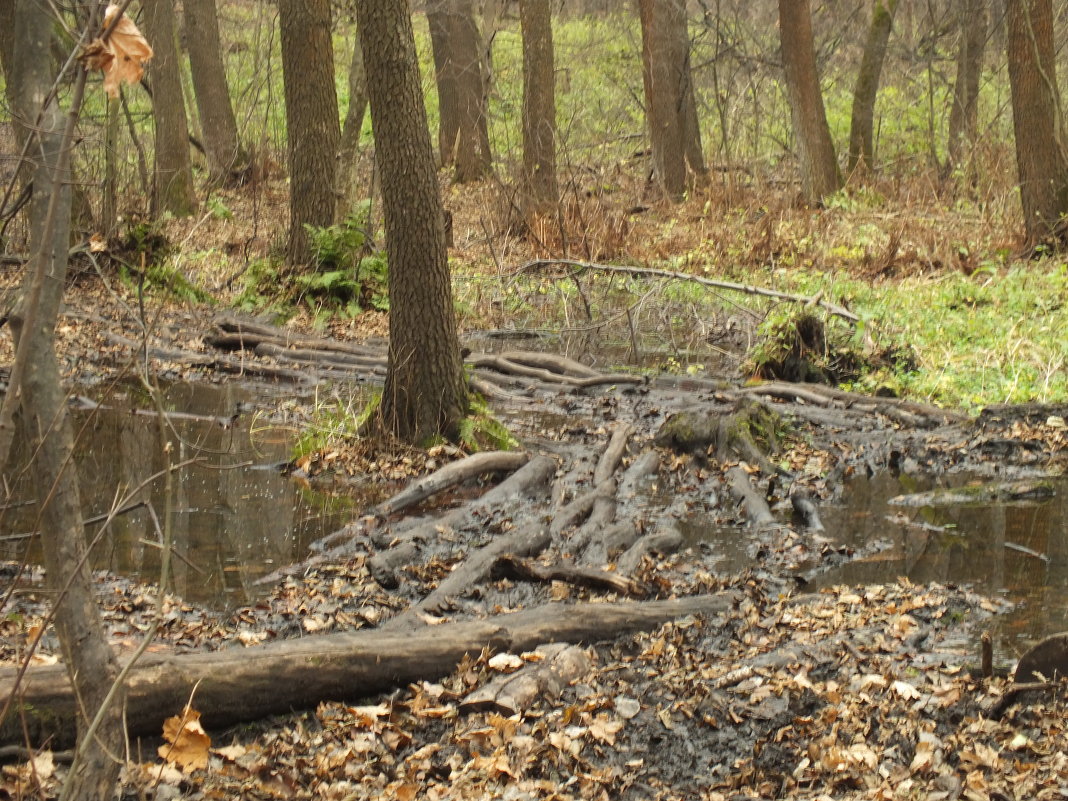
x=241, y=684
x=1001, y=492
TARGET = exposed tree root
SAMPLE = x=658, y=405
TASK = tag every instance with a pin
x=593, y=578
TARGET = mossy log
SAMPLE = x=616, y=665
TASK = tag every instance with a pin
x=748, y=430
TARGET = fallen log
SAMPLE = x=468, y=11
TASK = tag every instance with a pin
x=558, y=666
x=449, y=476
x=662, y=542
x=241, y=684
x=999, y=492
x=756, y=508
x=592, y=578
x=550, y=361
x=527, y=541
x=403, y=548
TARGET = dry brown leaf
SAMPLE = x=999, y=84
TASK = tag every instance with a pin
x=122, y=57
x=187, y=743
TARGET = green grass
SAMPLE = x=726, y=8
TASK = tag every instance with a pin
x=994, y=337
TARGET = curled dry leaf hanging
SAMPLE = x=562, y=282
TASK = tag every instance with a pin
x=122, y=57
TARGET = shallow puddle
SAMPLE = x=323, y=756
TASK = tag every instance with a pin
x=1017, y=551
x=237, y=517
x=1014, y=550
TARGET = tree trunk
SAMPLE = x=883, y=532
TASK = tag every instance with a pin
x=463, y=134
x=964, y=114
x=1040, y=156
x=241, y=684
x=313, y=131
x=425, y=393
x=7, y=47
x=862, y=124
x=89, y=662
x=541, y=192
x=227, y=160
x=349, y=148
x=671, y=108
x=445, y=81
x=820, y=176
x=173, y=181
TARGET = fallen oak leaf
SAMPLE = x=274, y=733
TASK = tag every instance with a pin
x=187, y=743
x=122, y=56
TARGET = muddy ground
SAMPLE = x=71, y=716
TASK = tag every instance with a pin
x=848, y=692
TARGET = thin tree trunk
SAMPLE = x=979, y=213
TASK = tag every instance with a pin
x=173, y=180
x=349, y=149
x=445, y=80
x=425, y=393
x=90, y=663
x=862, y=124
x=964, y=114
x=109, y=214
x=1040, y=156
x=463, y=131
x=541, y=192
x=820, y=175
x=670, y=105
x=313, y=131
x=227, y=159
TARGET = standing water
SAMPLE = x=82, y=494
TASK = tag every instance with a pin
x=236, y=515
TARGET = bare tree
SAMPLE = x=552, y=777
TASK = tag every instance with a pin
x=820, y=175
x=964, y=113
x=862, y=124
x=227, y=159
x=348, y=149
x=44, y=425
x=541, y=192
x=463, y=132
x=425, y=393
x=312, y=127
x=671, y=109
x=173, y=189
x=1036, y=113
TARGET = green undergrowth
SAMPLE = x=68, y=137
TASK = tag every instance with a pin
x=996, y=336
x=347, y=276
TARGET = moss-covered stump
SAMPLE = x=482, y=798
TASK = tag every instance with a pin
x=750, y=431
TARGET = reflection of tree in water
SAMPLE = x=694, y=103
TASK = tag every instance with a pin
x=232, y=523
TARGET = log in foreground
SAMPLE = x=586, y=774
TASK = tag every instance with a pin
x=241, y=684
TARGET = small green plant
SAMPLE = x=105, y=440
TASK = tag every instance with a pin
x=335, y=421
x=350, y=276
x=218, y=208
x=481, y=431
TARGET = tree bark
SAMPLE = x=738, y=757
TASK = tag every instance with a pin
x=173, y=181
x=347, y=190
x=227, y=159
x=425, y=393
x=820, y=175
x=964, y=113
x=541, y=192
x=671, y=108
x=862, y=123
x=463, y=133
x=313, y=130
x=89, y=662
x=1036, y=109
x=240, y=684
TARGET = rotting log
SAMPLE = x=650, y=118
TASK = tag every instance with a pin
x=527, y=541
x=559, y=664
x=403, y=547
x=592, y=578
x=449, y=476
x=241, y=684
x=756, y=507
x=661, y=542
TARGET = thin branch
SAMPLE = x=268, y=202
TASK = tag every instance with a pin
x=650, y=272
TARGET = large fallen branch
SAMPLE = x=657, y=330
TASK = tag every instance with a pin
x=240, y=684
x=649, y=272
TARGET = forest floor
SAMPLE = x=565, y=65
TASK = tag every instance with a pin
x=871, y=691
